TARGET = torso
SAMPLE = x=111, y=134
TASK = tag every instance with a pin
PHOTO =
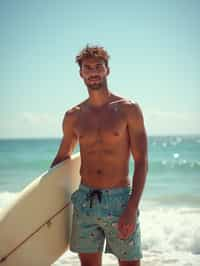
x=104, y=143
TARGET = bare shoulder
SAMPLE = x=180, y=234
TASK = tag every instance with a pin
x=133, y=110
x=72, y=113
x=130, y=107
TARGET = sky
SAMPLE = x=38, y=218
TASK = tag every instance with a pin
x=154, y=49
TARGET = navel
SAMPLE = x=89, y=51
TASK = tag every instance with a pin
x=99, y=171
x=116, y=133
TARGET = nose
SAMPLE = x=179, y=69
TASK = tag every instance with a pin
x=93, y=70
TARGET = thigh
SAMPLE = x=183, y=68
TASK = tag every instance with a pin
x=90, y=259
x=86, y=237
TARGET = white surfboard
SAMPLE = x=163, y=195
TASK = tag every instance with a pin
x=35, y=229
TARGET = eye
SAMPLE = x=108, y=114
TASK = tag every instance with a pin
x=99, y=66
x=87, y=67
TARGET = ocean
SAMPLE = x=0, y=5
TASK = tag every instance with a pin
x=169, y=208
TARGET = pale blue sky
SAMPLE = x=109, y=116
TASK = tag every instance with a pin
x=155, y=60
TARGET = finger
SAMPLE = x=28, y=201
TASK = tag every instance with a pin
x=123, y=233
x=125, y=227
x=130, y=227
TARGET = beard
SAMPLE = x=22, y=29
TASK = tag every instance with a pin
x=97, y=85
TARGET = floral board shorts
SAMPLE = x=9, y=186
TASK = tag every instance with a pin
x=95, y=218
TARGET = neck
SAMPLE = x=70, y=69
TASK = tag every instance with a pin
x=98, y=97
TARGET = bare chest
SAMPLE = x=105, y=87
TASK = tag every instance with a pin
x=107, y=126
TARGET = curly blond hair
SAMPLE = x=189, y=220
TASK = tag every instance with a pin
x=92, y=51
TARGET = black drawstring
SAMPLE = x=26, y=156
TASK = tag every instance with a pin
x=92, y=194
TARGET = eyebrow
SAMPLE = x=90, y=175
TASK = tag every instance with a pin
x=98, y=64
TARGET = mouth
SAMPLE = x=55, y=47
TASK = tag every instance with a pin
x=95, y=79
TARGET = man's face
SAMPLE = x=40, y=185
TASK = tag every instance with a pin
x=94, y=72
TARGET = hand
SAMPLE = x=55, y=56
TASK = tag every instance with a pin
x=127, y=223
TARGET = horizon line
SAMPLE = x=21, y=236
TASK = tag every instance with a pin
x=150, y=135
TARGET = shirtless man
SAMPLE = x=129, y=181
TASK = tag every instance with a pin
x=108, y=128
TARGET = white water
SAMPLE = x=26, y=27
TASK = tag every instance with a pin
x=170, y=236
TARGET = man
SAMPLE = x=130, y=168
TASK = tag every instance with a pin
x=108, y=128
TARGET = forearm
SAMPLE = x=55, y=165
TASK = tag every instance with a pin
x=139, y=178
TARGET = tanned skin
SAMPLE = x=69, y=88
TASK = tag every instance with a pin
x=109, y=128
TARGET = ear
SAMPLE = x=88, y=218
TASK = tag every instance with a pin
x=108, y=70
x=80, y=72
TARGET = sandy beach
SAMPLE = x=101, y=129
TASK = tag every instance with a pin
x=177, y=259
x=71, y=259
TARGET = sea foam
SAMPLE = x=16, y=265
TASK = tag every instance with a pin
x=170, y=236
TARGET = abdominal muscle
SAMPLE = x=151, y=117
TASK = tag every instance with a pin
x=104, y=169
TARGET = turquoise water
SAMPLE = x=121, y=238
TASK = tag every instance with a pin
x=173, y=177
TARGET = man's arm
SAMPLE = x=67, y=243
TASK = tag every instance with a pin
x=69, y=139
x=138, y=143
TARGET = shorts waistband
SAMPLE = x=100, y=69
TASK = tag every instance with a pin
x=109, y=191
